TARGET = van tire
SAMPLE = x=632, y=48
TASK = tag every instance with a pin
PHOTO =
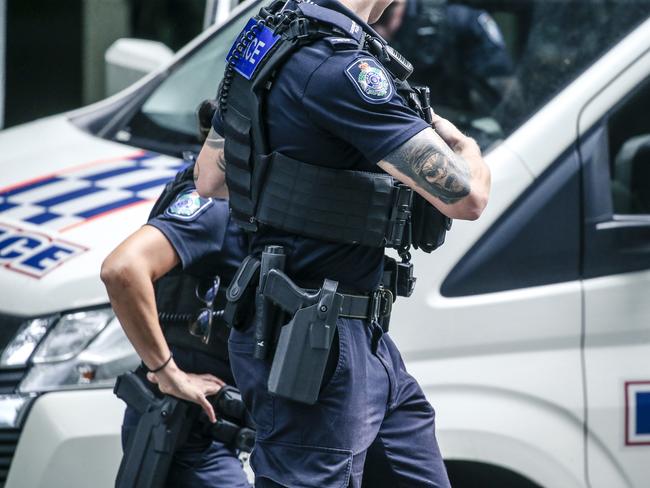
x=471, y=474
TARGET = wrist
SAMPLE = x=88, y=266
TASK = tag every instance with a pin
x=467, y=147
x=163, y=365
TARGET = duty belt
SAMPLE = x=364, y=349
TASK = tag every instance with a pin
x=373, y=306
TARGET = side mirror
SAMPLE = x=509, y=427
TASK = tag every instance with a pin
x=128, y=60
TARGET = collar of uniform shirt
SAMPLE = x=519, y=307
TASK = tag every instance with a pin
x=339, y=7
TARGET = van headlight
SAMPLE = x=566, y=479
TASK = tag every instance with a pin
x=73, y=350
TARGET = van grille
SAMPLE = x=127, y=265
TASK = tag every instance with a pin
x=8, y=442
x=10, y=378
x=9, y=325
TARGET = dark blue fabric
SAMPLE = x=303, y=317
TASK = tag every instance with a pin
x=210, y=244
x=201, y=462
x=482, y=55
x=369, y=401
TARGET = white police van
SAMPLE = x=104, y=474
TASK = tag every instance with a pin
x=529, y=330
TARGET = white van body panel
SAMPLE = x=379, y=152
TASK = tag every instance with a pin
x=70, y=439
x=53, y=146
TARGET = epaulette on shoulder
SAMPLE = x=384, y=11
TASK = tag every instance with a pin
x=342, y=43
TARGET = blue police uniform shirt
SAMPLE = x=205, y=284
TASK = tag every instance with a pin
x=200, y=230
x=335, y=106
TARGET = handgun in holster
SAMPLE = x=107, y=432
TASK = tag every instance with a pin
x=304, y=343
x=165, y=424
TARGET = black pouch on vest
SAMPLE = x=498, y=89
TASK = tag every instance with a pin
x=429, y=225
x=239, y=296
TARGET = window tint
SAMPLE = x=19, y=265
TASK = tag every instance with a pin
x=629, y=143
x=535, y=242
x=169, y=113
x=491, y=64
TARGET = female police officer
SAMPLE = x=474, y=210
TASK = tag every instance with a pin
x=333, y=106
x=187, y=240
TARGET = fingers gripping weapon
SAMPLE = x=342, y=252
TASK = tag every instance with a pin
x=164, y=426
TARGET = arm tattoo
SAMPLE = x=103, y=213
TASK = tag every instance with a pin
x=434, y=167
x=216, y=142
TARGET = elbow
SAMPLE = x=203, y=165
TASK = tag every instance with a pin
x=210, y=189
x=476, y=206
x=115, y=274
x=203, y=189
x=472, y=206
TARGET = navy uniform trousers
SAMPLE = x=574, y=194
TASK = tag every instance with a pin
x=370, y=411
x=202, y=462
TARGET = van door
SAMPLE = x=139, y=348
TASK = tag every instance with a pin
x=615, y=153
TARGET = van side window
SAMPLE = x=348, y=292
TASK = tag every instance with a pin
x=629, y=143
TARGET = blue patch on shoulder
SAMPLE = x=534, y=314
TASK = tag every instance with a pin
x=261, y=40
x=370, y=80
x=188, y=206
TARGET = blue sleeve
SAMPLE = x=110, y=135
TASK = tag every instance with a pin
x=351, y=96
x=195, y=227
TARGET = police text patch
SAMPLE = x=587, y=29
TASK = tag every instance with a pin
x=370, y=80
x=188, y=205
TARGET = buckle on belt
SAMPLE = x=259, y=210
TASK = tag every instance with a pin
x=381, y=303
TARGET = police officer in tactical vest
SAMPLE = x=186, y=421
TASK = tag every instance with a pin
x=328, y=157
x=168, y=274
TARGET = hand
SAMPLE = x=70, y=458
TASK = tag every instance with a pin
x=188, y=386
x=453, y=137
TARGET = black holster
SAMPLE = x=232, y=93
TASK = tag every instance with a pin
x=304, y=343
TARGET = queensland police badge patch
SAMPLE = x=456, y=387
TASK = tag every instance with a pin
x=370, y=79
x=188, y=205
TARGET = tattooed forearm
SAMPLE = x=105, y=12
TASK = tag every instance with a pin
x=434, y=167
x=216, y=142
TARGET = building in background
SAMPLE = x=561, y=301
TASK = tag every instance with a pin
x=55, y=50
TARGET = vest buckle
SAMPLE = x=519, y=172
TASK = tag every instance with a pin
x=299, y=28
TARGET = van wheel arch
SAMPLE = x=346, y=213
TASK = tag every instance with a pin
x=473, y=474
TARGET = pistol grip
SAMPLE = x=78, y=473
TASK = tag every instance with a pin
x=130, y=388
x=281, y=290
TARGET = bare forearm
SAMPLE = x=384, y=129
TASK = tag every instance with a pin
x=129, y=273
x=133, y=300
x=210, y=168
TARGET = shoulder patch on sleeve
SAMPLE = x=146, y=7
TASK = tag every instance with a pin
x=370, y=80
x=188, y=205
x=491, y=29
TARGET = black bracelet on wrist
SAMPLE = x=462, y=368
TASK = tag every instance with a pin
x=159, y=368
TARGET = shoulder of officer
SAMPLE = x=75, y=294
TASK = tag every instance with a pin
x=353, y=68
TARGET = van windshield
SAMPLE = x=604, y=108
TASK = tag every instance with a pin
x=490, y=64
